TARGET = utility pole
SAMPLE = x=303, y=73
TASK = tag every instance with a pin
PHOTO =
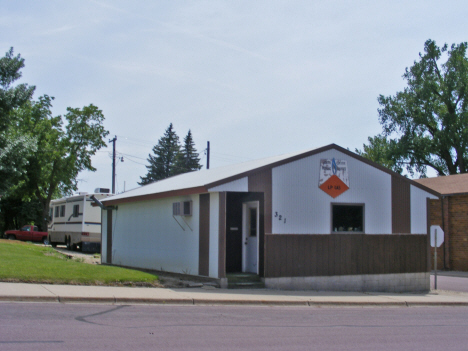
x=208, y=155
x=113, y=163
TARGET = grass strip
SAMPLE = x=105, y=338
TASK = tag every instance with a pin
x=26, y=262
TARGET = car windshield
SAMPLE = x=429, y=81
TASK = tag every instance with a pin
x=26, y=229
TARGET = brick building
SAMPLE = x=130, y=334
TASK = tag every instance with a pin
x=451, y=213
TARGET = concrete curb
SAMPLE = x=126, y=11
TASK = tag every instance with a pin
x=227, y=302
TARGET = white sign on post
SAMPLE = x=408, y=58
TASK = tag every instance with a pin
x=437, y=239
x=440, y=236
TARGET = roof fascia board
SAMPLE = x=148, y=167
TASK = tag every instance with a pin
x=453, y=194
x=204, y=189
x=148, y=197
x=270, y=166
x=317, y=151
x=389, y=171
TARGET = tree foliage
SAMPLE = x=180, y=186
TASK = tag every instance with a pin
x=41, y=155
x=14, y=147
x=426, y=123
x=11, y=96
x=61, y=153
x=187, y=160
x=170, y=158
x=379, y=150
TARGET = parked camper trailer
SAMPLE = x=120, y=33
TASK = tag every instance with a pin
x=76, y=223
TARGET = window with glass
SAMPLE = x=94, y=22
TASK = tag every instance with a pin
x=348, y=218
x=76, y=210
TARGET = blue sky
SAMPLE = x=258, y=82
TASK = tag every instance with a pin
x=255, y=78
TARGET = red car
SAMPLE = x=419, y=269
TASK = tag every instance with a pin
x=27, y=233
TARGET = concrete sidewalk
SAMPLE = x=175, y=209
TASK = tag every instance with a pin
x=200, y=296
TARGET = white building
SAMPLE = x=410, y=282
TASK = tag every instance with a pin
x=324, y=219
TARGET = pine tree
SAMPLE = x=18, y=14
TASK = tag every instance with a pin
x=187, y=160
x=161, y=165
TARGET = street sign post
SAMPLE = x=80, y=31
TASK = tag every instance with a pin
x=437, y=239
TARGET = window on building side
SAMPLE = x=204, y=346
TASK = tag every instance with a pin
x=347, y=218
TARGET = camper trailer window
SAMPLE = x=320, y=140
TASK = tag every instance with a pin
x=57, y=211
x=348, y=218
x=62, y=211
x=76, y=210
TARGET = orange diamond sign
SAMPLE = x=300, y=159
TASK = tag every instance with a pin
x=334, y=186
x=333, y=177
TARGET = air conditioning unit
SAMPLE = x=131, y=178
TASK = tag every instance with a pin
x=186, y=208
x=102, y=190
x=183, y=208
x=176, y=209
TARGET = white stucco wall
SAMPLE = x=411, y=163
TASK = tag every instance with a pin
x=146, y=235
x=418, y=210
x=103, y=236
x=307, y=209
x=214, y=235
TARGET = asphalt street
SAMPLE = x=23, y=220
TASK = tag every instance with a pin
x=48, y=326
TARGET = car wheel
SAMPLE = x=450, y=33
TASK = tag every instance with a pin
x=44, y=240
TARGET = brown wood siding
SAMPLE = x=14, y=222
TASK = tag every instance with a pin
x=401, y=206
x=222, y=236
x=109, y=237
x=298, y=255
x=261, y=182
x=204, y=236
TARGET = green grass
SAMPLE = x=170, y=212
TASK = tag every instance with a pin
x=26, y=262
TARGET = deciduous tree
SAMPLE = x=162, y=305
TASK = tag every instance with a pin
x=62, y=152
x=14, y=147
x=426, y=124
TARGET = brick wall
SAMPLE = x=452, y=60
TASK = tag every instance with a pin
x=458, y=221
x=456, y=231
x=435, y=215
